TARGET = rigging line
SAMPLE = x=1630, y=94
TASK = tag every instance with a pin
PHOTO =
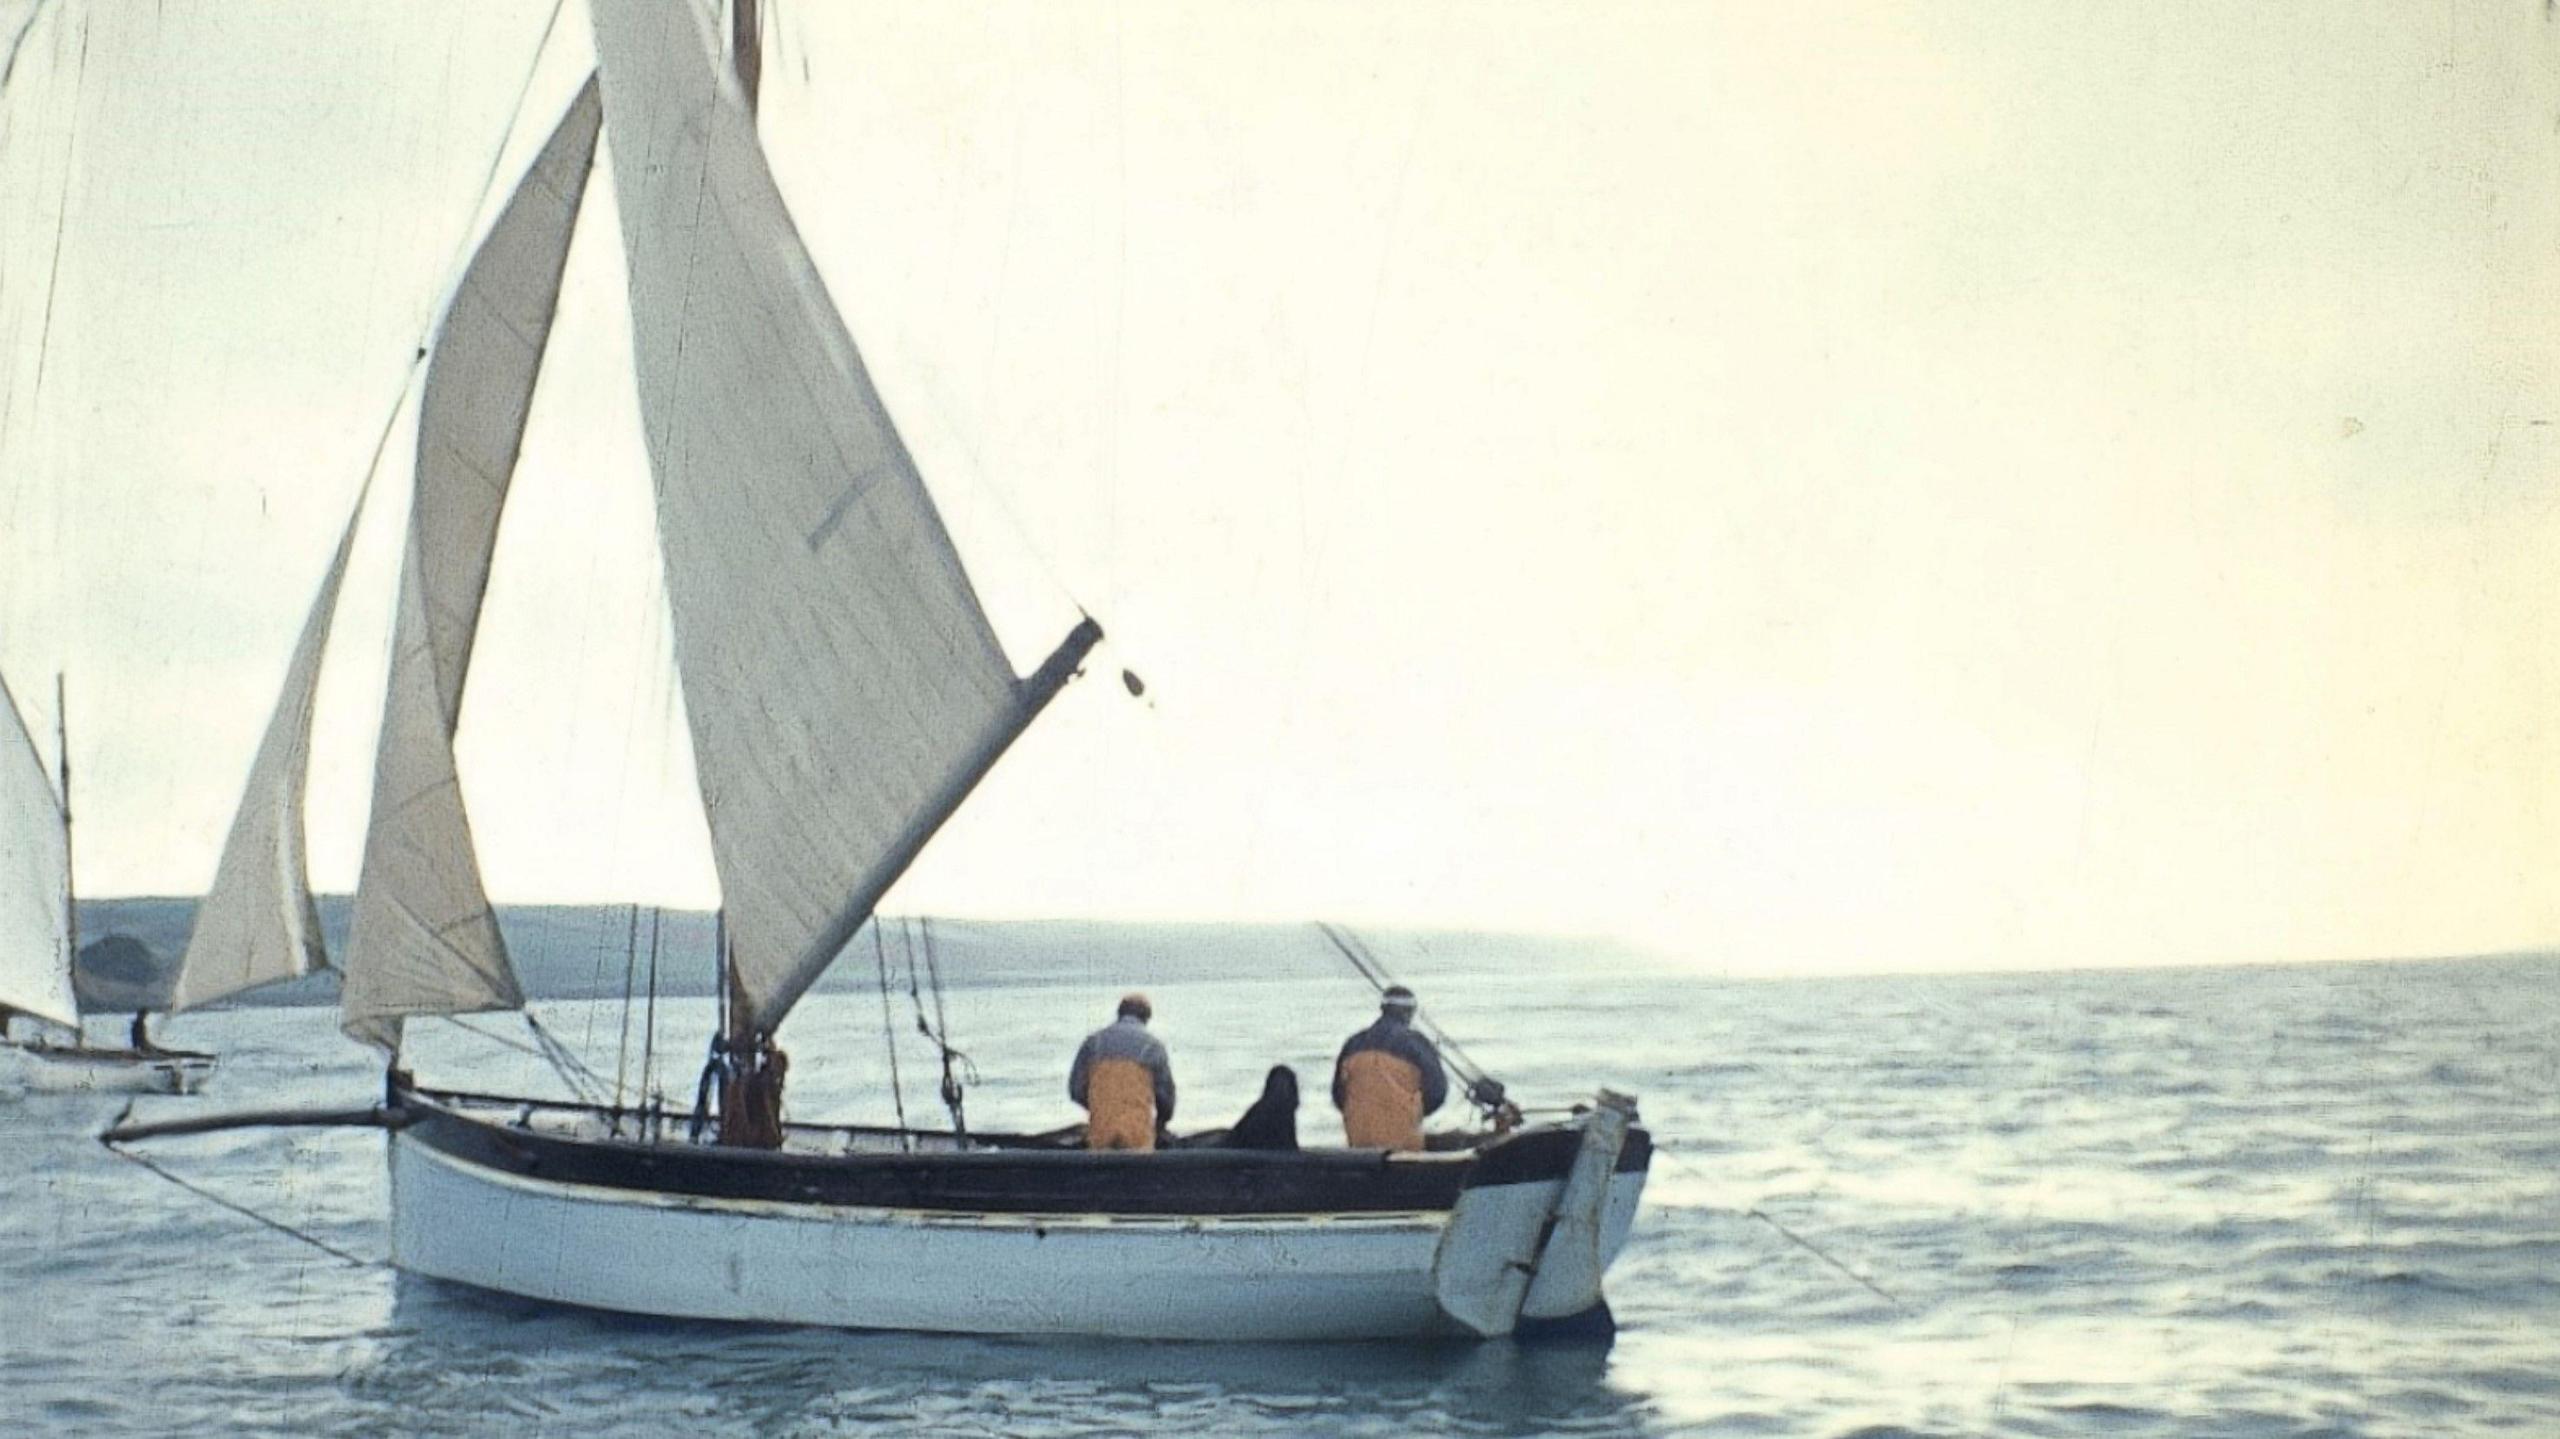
x=1372, y=969
x=907, y=942
x=889, y=1025
x=245, y=1212
x=501, y=1040
x=489, y=181
x=1798, y=1240
x=595, y=981
x=1457, y=1051
x=933, y=977
x=953, y=1090
x=61, y=216
x=933, y=972
x=576, y=1072
x=649, y=1035
x=630, y=972
x=1809, y=1247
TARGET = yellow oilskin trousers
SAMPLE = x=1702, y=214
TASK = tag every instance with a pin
x=1381, y=1102
x=1120, y=1106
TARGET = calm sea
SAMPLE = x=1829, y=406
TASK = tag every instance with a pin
x=2315, y=1200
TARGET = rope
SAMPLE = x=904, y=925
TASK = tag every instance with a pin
x=208, y=1196
x=630, y=972
x=889, y=1024
x=581, y=1078
x=1798, y=1240
x=649, y=1039
x=458, y=1022
x=582, y=1081
x=1372, y=970
x=1809, y=1247
x=953, y=1093
x=489, y=181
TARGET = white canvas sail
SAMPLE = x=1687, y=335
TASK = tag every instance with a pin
x=425, y=940
x=257, y=924
x=842, y=683
x=35, y=879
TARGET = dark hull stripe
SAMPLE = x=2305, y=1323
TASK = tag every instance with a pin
x=1011, y=1180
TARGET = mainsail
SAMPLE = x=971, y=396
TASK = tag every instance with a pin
x=425, y=939
x=35, y=879
x=843, y=685
x=258, y=925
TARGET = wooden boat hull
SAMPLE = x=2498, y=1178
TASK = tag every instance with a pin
x=600, y=1225
x=50, y=1069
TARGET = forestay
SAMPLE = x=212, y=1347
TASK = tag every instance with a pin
x=842, y=683
x=258, y=925
x=425, y=939
x=35, y=879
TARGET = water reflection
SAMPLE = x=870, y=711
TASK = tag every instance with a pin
x=445, y=1340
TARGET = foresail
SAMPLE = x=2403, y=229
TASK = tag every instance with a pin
x=425, y=940
x=842, y=683
x=35, y=876
x=257, y=924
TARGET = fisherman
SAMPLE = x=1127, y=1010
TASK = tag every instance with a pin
x=1388, y=1077
x=142, y=1033
x=1272, y=1122
x=1124, y=1081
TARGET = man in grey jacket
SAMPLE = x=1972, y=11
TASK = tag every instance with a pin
x=1124, y=1080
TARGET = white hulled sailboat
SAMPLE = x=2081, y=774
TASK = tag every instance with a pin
x=845, y=693
x=39, y=936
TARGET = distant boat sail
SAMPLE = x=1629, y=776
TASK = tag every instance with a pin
x=35, y=874
x=39, y=931
x=845, y=692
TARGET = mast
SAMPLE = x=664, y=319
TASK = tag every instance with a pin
x=70, y=891
x=744, y=1054
x=746, y=48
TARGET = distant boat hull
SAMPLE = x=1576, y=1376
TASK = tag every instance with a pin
x=689, y=1231
x=54, y=1069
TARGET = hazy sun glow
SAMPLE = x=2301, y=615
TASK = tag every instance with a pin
x=1815, y=486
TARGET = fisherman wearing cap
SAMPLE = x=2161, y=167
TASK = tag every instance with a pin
x=1123, y=1080
x=1387, y=1077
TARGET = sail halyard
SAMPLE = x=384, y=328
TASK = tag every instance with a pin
x=70, y=879
x=750, y=1068
x=35, y=879
x=843, y=685
x=258, y=924
x=425, y=937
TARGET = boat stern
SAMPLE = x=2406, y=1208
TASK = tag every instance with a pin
x=1527, y=1245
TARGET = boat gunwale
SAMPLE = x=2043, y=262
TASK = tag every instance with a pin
x=176, y=1058
x=1202, y=1181
x=1047, y=1222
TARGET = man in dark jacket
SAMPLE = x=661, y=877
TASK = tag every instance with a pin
x=1124, y=1080
x=1387, y=1078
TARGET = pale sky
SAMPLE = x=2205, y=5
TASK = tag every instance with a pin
x=1805, y=487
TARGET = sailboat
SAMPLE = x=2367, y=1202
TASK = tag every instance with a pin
x=258, y=923
x=40, y=935
x=845, y=692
